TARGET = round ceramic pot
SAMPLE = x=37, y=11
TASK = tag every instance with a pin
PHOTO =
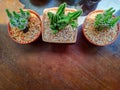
x=33, y=38
x=90, y=18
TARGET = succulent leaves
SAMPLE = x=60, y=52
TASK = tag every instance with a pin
x=19, y=20
x=59, y=20
x=106, y=20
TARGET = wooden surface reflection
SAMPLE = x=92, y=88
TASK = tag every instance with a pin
x=43, y=66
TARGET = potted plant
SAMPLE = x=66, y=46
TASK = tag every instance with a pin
x=60, y=24
x=24, y=26
x=100, y=27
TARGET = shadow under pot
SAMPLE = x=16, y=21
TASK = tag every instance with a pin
x=102, y=37
x=30, y=29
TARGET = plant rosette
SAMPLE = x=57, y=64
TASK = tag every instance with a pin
x=25, y=26
x=105, y=32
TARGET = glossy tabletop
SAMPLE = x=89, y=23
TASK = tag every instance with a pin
x=45, y=66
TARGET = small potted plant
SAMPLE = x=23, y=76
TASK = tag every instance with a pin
x=60, y=24
x=24, y=26
x=101, y=27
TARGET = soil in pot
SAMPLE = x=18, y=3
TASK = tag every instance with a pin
x=57, y=27
x=31, y=32
x=100, y=38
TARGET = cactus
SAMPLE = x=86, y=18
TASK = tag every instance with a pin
x=105, y=20
x=19, y=20
x=59, y=20
x=61, y=9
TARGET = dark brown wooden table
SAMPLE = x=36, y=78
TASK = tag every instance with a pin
x=44, y=66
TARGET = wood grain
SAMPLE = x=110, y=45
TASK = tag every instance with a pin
x=43, y=66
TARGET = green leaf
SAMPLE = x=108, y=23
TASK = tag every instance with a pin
x=75, y=15
x=13, y=23
x=73, y=24
x=55, y=18
x=114, y=21
x=8, y=13
x=16, y=15
x=19, y=20
x=23, y=21
x=51, y=16
x=61, y=9
x=106, y=20
x=22, y=12
x=27, y=14
x=52, y=27
x=59, y=20
x=55, y=31
x=21, y=27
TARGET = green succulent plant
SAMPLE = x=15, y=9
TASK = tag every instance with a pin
x=59, y=20
x=19, y=20
x=106, y=20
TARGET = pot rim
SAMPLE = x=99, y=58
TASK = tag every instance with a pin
x=118, y=26
x=37, y=36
